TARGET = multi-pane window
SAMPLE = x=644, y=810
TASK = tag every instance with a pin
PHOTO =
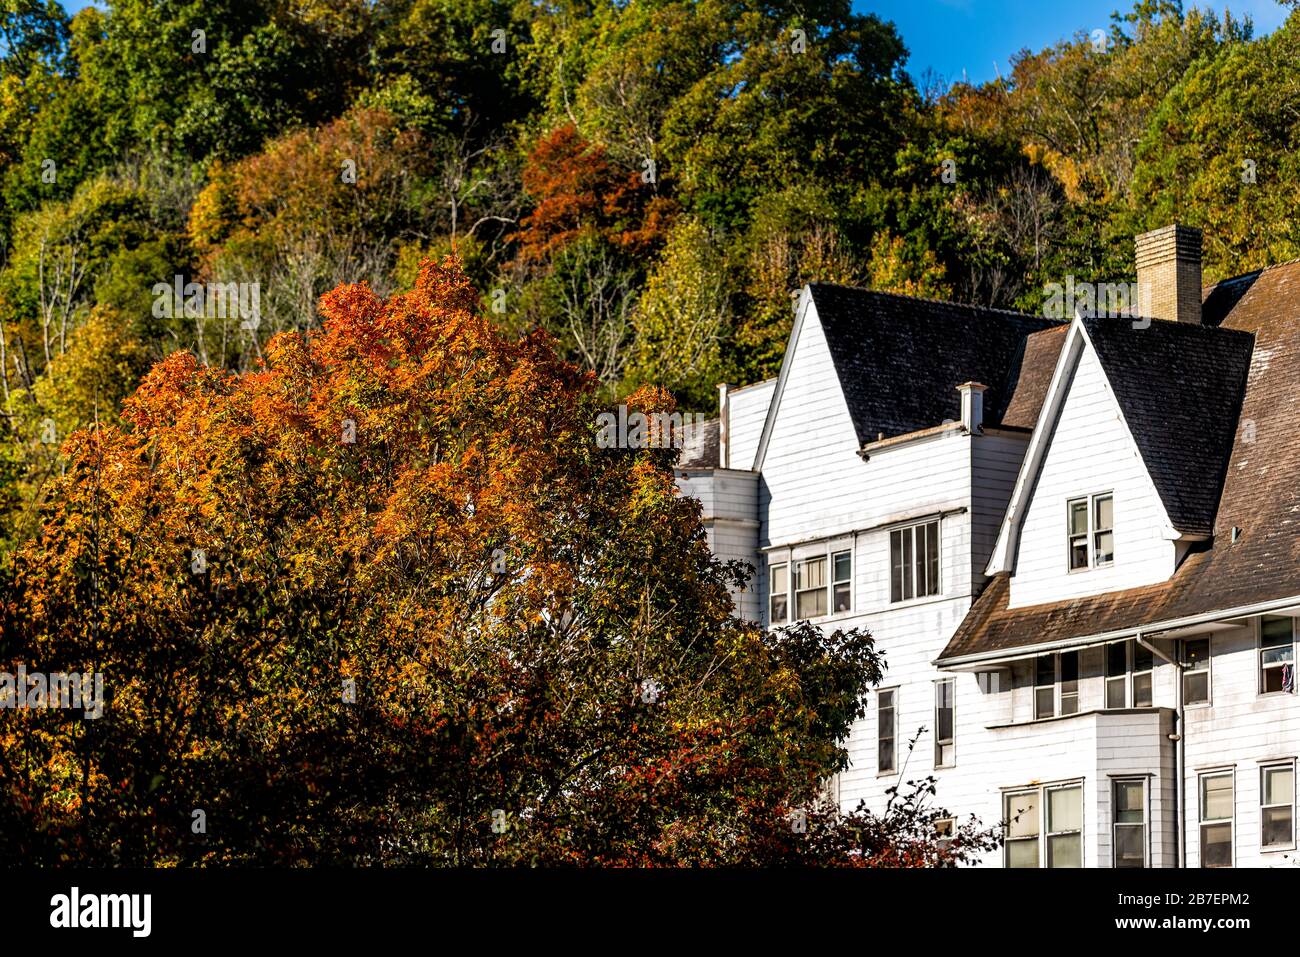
x=1065, y=827
x=842, y=581
x=810, y=588
x=1277, y=806
x=1091, y=530
x=779, y=597
x=1056, y=684
x=886, y=730
x=944, y=715
x=1276, y=655
x=1128, y=668
x=1130, y=822
x=1044, y=827
x=1216, y=802
x=1021, y=813
x=1196, y=671
x=914, y=561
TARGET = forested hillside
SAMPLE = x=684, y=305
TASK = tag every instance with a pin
x=647, y=180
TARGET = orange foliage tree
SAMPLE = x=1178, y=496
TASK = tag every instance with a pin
x=385, y=600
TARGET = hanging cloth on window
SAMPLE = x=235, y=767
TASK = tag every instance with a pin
x=1288, y=679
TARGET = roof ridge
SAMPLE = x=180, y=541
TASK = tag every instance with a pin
x=1253, y=272
x=939, y=302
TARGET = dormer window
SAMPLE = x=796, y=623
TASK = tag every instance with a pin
x=1091, y=527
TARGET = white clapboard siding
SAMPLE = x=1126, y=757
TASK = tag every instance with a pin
x=995, y=462
x=1090, y=451
x=748, y=411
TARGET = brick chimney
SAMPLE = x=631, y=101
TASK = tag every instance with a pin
x=1169, y=273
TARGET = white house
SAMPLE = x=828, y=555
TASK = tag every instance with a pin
x=1076, y=543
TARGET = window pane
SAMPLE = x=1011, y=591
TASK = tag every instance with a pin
x=1274, y=631
x=1130, y=841
x=1128, y=802
x=1272, y=681
x=1277, y=826
x=932, y=548
x=1116, y=658
x=1044, y=703
x=1104, y=547
x=1275, y=656
x=1216, y=798
x=843, y=566
x=780, y=608
x=1079, y=552
x=1196, y=688
x=780, y=583
x=1196, y=652
x=1065, y=809
x=1142, y=660
x=1022, y=815
x=1069, y=703
x=896, y=566
x=908, y=569
x=1104, y=517
x=1116, y=692
x=843, y=598
x=810, y=574
x=1022, y=853
x=1142, y=690
x=1279, y=785
x=1216, y=845
x=1045, y=670
x=1065, y=851
x=1078, y=517
x=943, y=710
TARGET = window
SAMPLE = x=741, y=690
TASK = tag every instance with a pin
x=842, y=581
x=1053, y=673
x=1130, y=822
x=1196, y=671
x=1277, y=806
x=886, y=731
x=1022, y=829
x=779, y=600
x=914, y=562
x=1276, y=655
x=1060, y=821
x=944, y=713
x=1117, y=674
x=1128, y=664
x=1143, y=668
x=810, y=588
x=1045, y=686
x=1216, y=819
x=1091, y=531
x=943, y=830
x=1065, y=827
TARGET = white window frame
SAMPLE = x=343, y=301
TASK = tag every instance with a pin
x=796, y=564
x=1043, y=793
x=1259, y=654
x=1093, y=530
x=1202, y=821
x=1208, y=668
x=893, y=731
x=1128, y=677
x=771, y=567
x=1264, y=768
x=1059, y=694
x=836, y=582
x=911, y=570
x=951, y=742
x=1116, y=824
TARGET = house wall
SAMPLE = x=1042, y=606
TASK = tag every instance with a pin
x=748, y=411
x=1090, y=451
x=729, y=507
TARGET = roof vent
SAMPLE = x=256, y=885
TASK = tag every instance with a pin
x=1236, y=533
x=972, y=406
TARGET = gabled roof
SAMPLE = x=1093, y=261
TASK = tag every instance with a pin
x=1260, y=496
x=1179, y=387
x=900, y=359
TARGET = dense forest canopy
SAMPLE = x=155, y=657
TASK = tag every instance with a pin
x=646, y=180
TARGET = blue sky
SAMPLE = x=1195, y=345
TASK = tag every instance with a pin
x=949, y=36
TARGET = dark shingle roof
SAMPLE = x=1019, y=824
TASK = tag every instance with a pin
x=900, y=359
x=1179, y=387
x=1260, y=496
x=1030, y=391
x=700, y=449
